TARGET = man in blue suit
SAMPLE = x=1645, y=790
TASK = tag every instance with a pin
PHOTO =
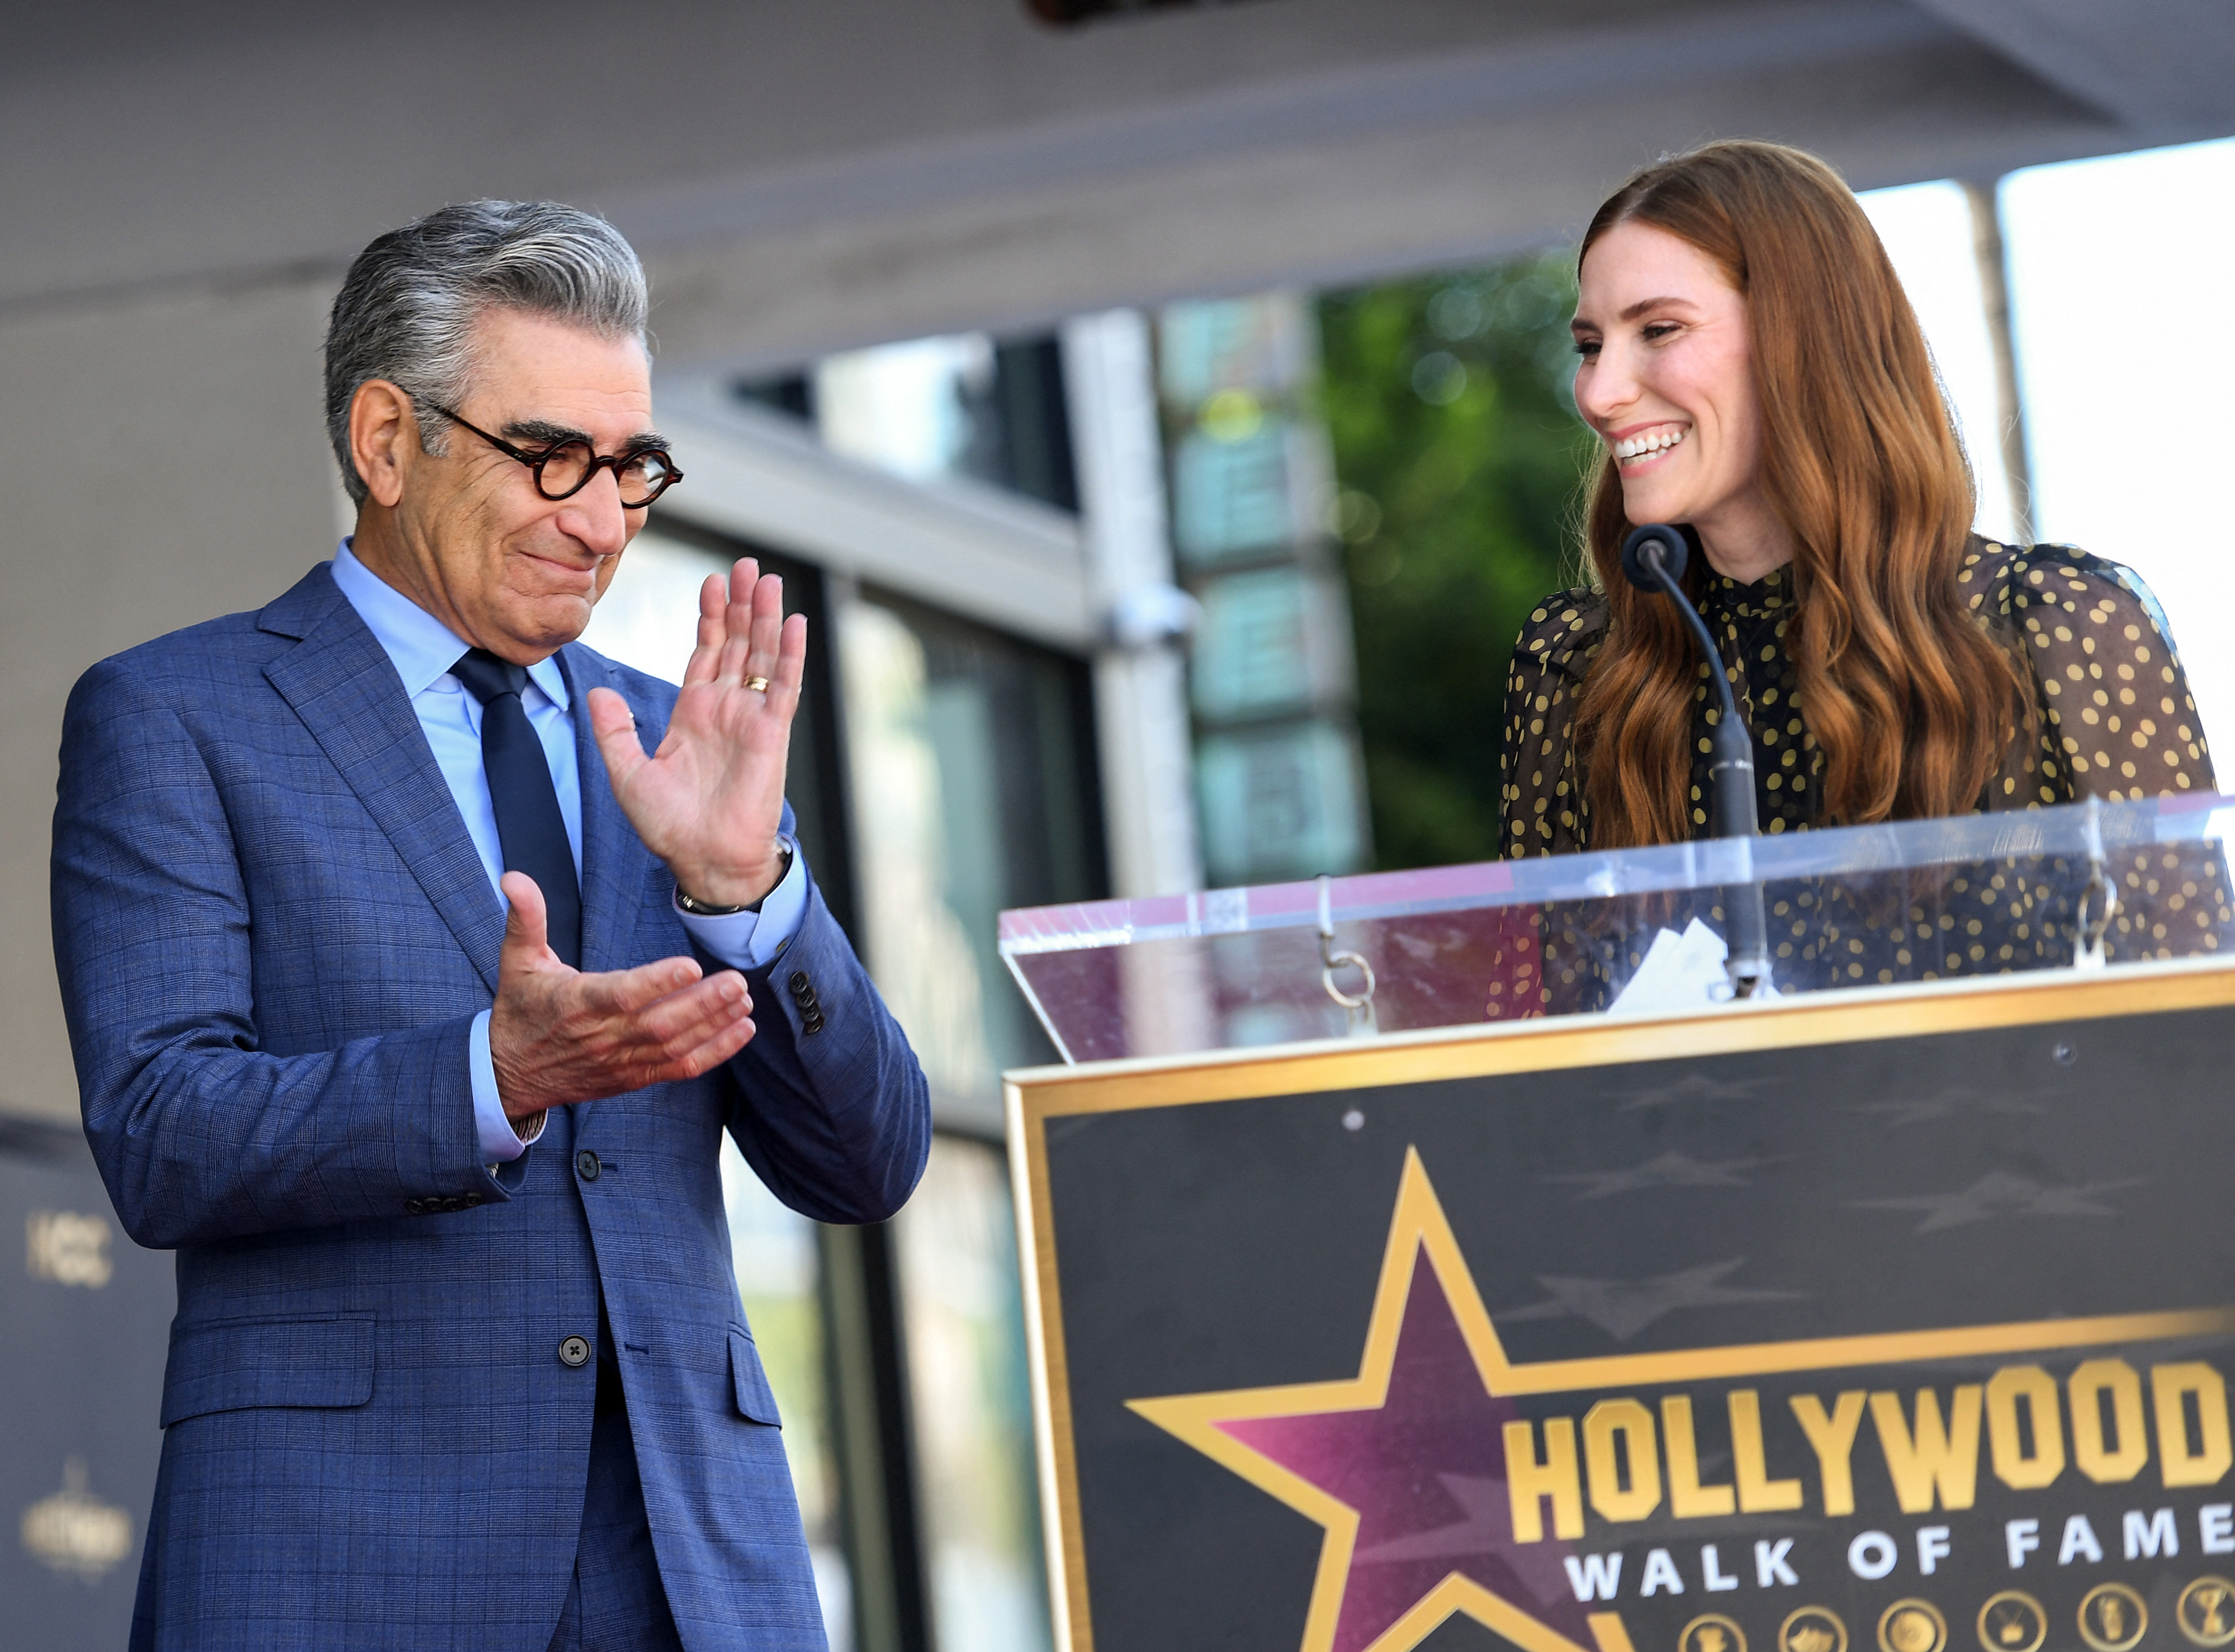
x=416, y=958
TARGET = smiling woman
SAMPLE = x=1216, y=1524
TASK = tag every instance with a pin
x=1753, y=369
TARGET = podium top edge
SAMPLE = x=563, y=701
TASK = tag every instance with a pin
x=1855, y=851
x=1484, y=1049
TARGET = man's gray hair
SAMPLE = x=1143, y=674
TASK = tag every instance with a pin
x=407, y=309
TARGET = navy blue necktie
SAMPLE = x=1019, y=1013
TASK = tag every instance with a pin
x=530, y=830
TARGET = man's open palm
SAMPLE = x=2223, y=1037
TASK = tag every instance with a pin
x=708, y=801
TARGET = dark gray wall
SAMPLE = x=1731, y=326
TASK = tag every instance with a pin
x=88, y=1315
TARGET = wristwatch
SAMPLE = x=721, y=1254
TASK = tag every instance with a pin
x=698, y=908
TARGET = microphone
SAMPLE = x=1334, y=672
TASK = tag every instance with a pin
x=1654, y=558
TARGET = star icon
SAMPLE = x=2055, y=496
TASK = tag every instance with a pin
x=1622, y=1307
x=2002, y=1193
x=1404, y=1465
x=1670, y=1170
x=1956, y=1098
x=1693, y=1087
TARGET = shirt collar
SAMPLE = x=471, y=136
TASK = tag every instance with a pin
x=1754, y=599
x=421, y=647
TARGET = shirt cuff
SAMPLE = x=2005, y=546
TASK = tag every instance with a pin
x=500, y=1141
x=756, y=939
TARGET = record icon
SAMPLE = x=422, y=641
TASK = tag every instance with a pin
x=1913, y=1626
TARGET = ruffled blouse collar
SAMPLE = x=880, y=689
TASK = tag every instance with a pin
x=1762, y=598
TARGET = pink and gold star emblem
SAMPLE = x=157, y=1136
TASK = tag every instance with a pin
x=1404, y=1464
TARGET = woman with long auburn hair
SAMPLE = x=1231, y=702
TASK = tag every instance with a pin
x=1754, y=370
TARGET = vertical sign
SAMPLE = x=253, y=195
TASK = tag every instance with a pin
x=1278, y=770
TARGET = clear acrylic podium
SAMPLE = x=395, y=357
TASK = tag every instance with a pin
x=1319, y=1329
x=2093, y=886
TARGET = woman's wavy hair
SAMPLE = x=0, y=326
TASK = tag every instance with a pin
x=1912, y=701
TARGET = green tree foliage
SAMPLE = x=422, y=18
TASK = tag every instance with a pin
x=1459, y=460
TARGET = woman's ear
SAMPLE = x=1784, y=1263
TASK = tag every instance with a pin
x=383, y=439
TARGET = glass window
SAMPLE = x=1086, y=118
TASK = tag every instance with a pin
x=779, y=1282
x=969, y=1396
x=971, y=763
x=970, y=758
x=965, y=405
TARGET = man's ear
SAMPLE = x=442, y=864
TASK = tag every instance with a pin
x=383, y=439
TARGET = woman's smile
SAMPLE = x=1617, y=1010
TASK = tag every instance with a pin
x=1636, y=453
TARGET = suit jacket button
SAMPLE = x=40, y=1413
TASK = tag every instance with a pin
x=587, y=1165
x=574, y=1351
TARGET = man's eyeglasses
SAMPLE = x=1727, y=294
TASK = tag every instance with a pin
x=564, y=468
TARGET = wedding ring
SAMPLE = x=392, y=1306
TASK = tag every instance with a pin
x=758, y=685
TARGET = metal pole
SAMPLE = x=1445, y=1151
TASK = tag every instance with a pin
x=1148, y=770
x=1995, y=292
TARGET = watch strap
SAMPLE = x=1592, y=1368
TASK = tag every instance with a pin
x=698, y=908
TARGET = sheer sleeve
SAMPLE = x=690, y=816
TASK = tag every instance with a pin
x=1543, y=800
x=2116, y=718
x=2117, y=722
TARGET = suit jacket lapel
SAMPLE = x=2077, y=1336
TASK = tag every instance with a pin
x=614, y=861
x=340, y=682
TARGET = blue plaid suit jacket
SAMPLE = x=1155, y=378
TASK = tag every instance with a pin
x=273, y=933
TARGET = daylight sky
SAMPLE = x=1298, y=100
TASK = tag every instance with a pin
x=2120, y=272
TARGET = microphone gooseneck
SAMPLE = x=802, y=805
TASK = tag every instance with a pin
x=1654, y=558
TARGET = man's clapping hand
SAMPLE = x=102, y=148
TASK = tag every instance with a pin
x=710, y=800
x=558, y=1035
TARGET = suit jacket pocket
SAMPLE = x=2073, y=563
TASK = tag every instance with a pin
x=229, y=1365
x=755, y=1401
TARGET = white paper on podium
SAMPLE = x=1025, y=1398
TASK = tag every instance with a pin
x=1680, y=973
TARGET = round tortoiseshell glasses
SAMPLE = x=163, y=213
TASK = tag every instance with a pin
x=564, y=468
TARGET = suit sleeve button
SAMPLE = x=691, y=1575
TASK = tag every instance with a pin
x=587, y=1165
x=812, y=1022
x=414, y=1207
x=798, y=982
x=575, y=1353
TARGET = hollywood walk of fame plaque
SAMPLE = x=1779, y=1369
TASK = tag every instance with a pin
x=1902, y=1325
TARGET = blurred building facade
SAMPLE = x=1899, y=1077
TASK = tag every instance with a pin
x=1008, y=534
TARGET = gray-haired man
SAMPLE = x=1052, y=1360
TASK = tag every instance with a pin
x=416, y=959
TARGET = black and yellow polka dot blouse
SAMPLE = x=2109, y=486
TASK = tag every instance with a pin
x=2116, y=721
x=2116, y=718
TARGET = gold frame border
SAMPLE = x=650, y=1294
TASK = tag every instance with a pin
x=1033, y=1095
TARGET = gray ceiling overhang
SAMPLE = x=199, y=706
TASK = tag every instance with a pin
x=807, y=176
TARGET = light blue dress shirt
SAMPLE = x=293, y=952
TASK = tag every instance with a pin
x=422, y=650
